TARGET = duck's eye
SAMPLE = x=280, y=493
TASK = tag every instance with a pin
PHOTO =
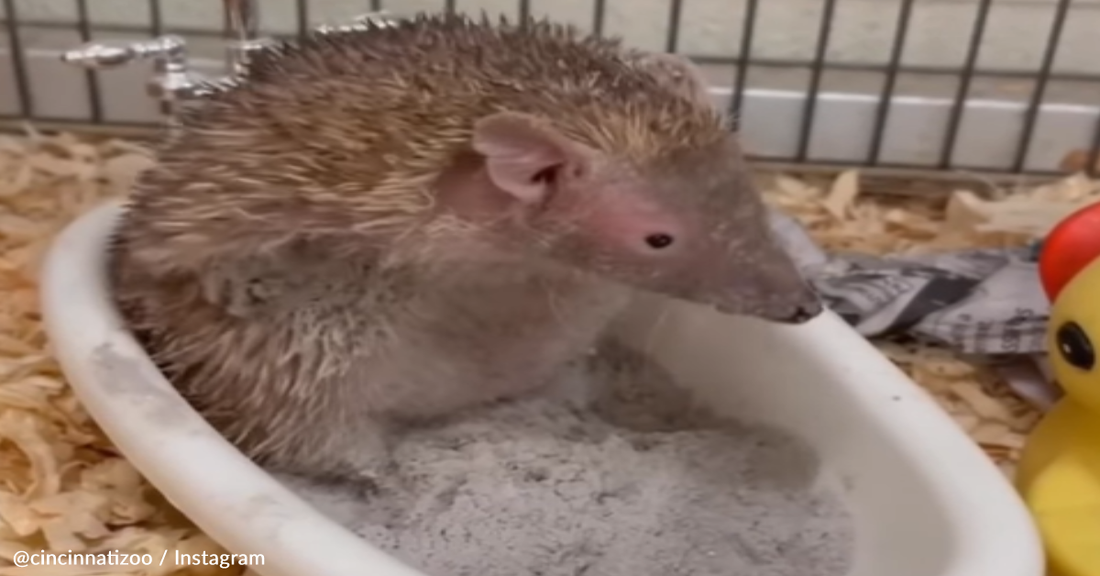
x=1074, y=345
x=658, y=241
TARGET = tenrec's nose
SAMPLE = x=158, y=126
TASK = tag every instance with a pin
x=805, y=312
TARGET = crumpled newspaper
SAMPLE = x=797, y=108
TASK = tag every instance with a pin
x=984, y=302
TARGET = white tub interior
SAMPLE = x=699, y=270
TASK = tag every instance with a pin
x=925, y=500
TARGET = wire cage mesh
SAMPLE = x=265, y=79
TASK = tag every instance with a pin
x=1010, y=86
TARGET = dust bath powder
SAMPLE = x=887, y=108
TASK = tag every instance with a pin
x=633, y=483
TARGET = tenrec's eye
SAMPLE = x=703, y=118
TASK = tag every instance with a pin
x=658, y=241
x=1074, y=346
x=545, y=176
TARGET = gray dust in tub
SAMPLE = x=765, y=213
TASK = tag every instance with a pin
x=632, y=483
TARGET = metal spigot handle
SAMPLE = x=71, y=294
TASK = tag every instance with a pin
x=367, y=21
x=380, y=18
x=172, y=81
x=102, y=55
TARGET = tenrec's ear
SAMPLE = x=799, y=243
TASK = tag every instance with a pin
x=678, y=73
x=523, y=154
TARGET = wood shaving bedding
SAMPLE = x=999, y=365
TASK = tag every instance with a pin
x=840, y=218
x=64, y=487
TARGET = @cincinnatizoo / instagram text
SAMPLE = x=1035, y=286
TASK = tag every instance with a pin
x=23, y=559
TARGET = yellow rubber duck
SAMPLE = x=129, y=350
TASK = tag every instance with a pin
x=1059, y=473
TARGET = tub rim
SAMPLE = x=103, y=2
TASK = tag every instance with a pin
x=248, y=511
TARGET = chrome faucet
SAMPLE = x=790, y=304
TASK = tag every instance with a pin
x=173, y=80
x=242, y=27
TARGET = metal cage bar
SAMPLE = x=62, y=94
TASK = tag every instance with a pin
x=599, y=12
x=19, y=61
x=748, y=26
x=881, y=117
x=301, y=16
x=887, y=94
x=1024, y=145
x=1092, y=159
x=156, y=19
x=965, y=82
x=95, y=92
x=672, y=37
x=817, y=69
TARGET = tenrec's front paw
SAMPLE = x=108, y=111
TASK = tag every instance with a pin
x=370, y=481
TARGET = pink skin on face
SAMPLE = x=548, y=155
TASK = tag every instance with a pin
x=589, y=211
x=632, y=226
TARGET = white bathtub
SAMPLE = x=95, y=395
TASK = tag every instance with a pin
x=925, y=500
